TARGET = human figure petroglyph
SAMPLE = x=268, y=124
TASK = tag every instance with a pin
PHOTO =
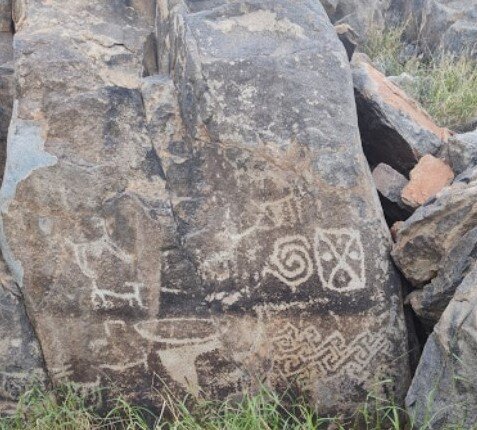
x=179, y=353
x=291, y=261
x=101, y=298
x=339, y=256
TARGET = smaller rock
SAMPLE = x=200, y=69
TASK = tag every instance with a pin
x=394, y=129
x=430, y=302
x=395, y=229
x=348, y=37
x=462, y=151
x=443, y=393
x=428, y=177
x=435, y=228
x=390, y=184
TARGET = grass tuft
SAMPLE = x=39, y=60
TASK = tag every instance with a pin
x=445, y=86
x=65, y=409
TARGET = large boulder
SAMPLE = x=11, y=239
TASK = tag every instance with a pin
x=394, y=129
x=206, y=228
x=443, y=393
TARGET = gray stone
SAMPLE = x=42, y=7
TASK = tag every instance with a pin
x=390, y=184
x=449, y=25
x=21, y=365
x=435, y=229
x=215, y=224
x=394, y=129
x=462, y=151
x=430, y=301
x=443, y=393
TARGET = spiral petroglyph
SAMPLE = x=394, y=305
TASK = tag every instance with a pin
x=291, y=261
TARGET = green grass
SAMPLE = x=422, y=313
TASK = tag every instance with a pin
x=445, y=86
x=64, y=409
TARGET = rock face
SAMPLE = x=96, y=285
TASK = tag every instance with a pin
x=444, y=389
x=394, y=130
x=21, y=365
x=207, y=215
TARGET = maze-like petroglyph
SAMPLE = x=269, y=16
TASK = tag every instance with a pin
x=338, y=254
x=339, y=257
x=291, y=261
x=301, y=353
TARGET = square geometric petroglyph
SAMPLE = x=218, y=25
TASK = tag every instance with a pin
x=339, y=257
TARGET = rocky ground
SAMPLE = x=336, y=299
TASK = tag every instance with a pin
x=211, y=195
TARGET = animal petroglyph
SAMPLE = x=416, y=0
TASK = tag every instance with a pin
x=102, y=298
x=339, y=257
x=87, y=252
x=338, y=254
x=291, y=261
x=183, y=341
x=286, y=211
x=302, y=353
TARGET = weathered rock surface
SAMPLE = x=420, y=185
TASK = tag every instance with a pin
x=390, y=184
x=427, y=178
x=6, y=16
x=214, y=224
x=444, y=388
x=435, y=228
x=462, y=151
x=21, y=363
x=430, y=301
x=394, y=130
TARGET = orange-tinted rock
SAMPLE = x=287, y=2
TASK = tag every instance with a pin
x=426, y=179
x=394, y=129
